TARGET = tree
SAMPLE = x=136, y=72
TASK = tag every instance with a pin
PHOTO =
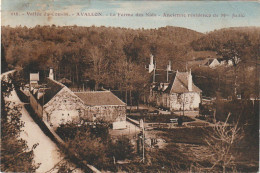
x=4, y=65
x=221, y=142
x=99, y=68
x=234, y=51
x=90, y=149
x=93, y=145
x=121, y=149
x=15, y=154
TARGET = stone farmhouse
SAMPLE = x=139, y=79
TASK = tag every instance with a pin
x=173, y=90
x=57, y=104
x=103, y=106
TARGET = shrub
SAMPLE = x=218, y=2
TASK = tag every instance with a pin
x=121, y=149
x=69, y=130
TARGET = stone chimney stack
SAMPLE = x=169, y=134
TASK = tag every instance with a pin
x=189, y=81
x=154, y=72
x=169, y=66
x=51, y=74
x=151, y=65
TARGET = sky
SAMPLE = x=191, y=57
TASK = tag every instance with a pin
x=202, y=16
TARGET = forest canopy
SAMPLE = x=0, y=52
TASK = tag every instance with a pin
x=109, y=56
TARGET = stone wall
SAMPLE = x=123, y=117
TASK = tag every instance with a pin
x=174, y=101
x=105, y=113
x=191, y=101
x=64, y=107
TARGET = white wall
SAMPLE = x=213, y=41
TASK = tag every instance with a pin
x=119, y=125
x=191, y=101
x=64, y=107
x=61, y=117
x=214, y=64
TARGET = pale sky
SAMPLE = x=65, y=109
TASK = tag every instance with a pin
x=250, y=12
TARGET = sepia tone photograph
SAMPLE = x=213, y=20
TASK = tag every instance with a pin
x=129, y=86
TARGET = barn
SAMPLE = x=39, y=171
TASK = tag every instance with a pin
x=56, y=104
x=104, y=106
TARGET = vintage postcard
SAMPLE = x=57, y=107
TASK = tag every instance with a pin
x=129, y=86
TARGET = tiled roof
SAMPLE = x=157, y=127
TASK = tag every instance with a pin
x=209, y=61
x=34, y=76
x=178, y=83
x=51, y=89
x=99, y=98
x=161, y=76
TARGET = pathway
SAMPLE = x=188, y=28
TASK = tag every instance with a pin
x=46, y=153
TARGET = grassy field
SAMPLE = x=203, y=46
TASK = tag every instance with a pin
x=184, y=135
x=190, y=143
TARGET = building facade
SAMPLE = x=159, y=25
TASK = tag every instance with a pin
x=104, y=106
x=174, y=90
x=56, y=104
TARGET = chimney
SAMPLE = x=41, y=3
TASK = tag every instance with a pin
x=151, y=65
x=51, y=75
x=189, y=81
x=154, y=72
x=169, y=66
x=168, y=69
x=167, y=75
x=151, y=59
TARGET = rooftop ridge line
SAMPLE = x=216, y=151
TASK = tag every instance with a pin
x=56, y=82
x=90, y=91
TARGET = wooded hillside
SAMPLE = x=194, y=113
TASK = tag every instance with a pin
x=93, y=52
x=116, y=57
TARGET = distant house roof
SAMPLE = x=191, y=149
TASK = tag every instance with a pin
x=207, y=62
x=99, y=98
x=34, y=77
x=210, y=61
x=178, y=83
